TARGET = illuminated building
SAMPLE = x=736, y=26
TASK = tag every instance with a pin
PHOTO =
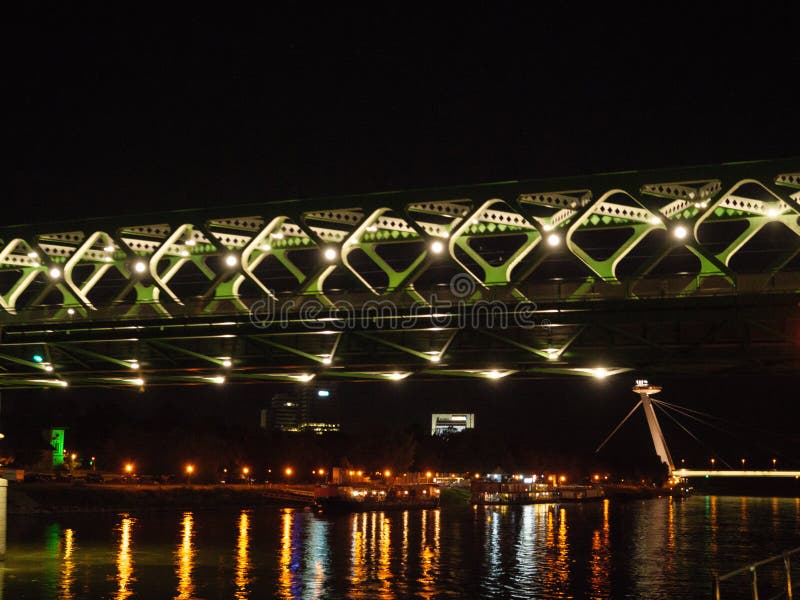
x=443, y=424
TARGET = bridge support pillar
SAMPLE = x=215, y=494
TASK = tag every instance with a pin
x=644, y=390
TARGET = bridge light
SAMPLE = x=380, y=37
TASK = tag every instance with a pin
x=553, y=240
x=227, y=363
x=48, y=367
x=434, y=357
x=54, y=273
x=329, y=254
x=600, y=373
x=266, y=247
x=33, y=255
x=326, y=360
x=134, y=364
x=219, y=379
x=70, y=311
x=38, y=358
x=654, y=220
x=231, y=260
x=773, y=212
x=437, y=247
x=680, y=232
x=139, y=266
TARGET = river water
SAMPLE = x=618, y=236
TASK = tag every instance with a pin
x=659, y=548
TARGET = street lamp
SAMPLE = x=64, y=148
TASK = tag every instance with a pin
x=129, y=468
x=288, y=471
x=246, y=473
x=387, y=473
x=189, y=473
x=743, y=461
x=774, y=462
x=713, y=462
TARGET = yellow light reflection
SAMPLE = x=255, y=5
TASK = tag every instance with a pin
x=600, y=582
x=557, y=564
x=357, y=551
x=184, y=558
x=124, y=559
x=243, y=557
x=384, y=552
x=285, y=559
x=68, y=566
x=429, y=556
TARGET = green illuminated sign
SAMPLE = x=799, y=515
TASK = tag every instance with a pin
x=57, y=443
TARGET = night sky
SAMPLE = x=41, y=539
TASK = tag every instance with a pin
x=106, y=115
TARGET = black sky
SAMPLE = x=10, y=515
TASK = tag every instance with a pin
x=108, y=114
x=112, y=113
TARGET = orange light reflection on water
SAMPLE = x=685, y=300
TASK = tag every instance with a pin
x=243, y=557
x=600, y=581
x=184, y=559
x=124, y=559
x=68, y=566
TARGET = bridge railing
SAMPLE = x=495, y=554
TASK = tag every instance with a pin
x=748, y=576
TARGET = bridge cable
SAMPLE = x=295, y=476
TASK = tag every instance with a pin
x=736, y=436
x=621, y=423
x=679, y=424
x=731, y=423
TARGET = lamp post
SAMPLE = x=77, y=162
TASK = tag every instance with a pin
x=189, y=473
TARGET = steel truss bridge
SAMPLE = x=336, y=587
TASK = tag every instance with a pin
x=691, y=270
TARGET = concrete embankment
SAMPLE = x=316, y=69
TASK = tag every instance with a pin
x=47, y=498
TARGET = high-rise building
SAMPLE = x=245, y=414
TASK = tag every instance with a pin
x=305, y=408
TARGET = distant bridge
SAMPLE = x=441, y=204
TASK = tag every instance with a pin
x=690, y=473
x=692, y=270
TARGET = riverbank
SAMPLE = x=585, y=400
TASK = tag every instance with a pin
x=37, y=498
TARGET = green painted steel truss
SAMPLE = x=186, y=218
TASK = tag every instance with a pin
x=380, y=272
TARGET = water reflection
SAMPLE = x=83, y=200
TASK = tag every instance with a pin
x=124, y=559
x=429, y=555
x=243, y=557
x=316, y=559
x=661, y=548
x=600, y=578
x=184, y=557
x=67, y=566
x=556, y=563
